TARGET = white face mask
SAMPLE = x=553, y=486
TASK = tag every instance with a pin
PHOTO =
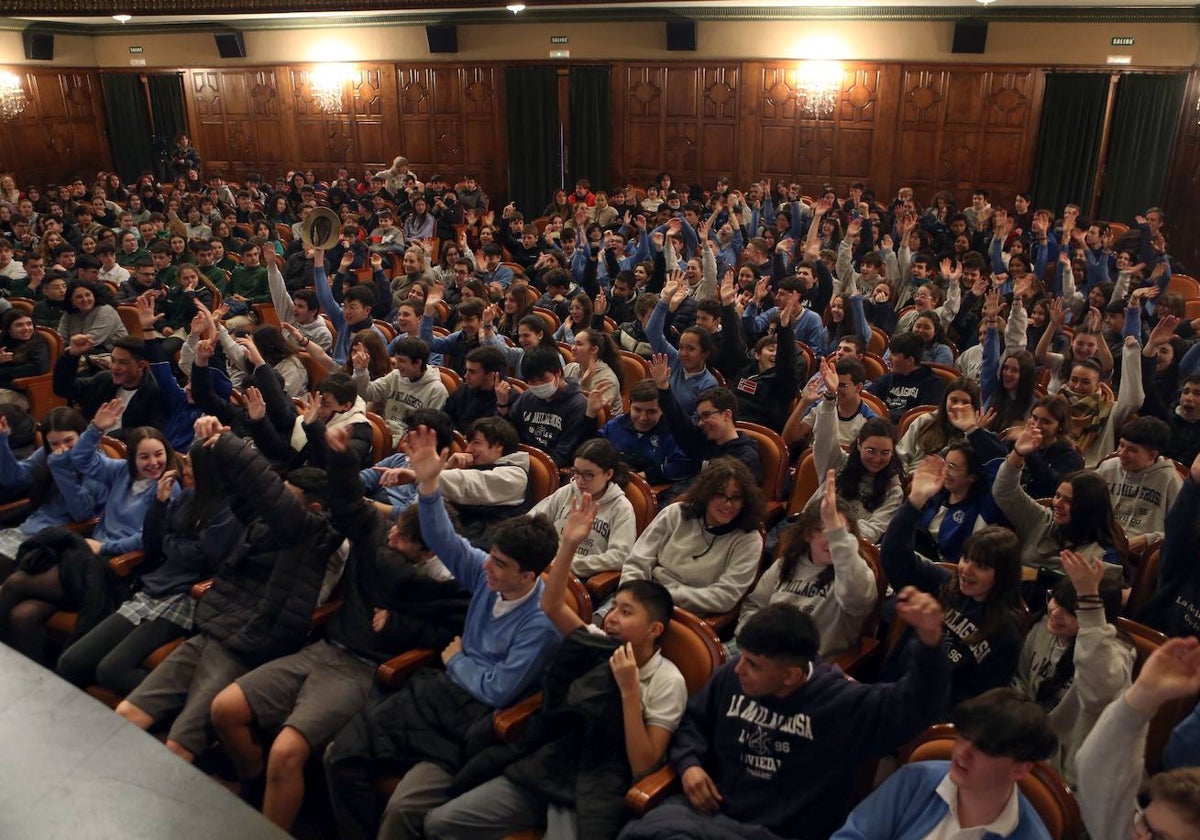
x=544, y=391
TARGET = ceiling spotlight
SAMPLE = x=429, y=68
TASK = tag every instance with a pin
x=515, y=8
x=985, y=2
x=122, y=18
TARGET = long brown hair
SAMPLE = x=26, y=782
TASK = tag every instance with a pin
x=712, y=480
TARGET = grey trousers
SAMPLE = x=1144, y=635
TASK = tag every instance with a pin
x=496, y=809
x=423, y=788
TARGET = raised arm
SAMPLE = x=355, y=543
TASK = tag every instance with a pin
x=575, y=531
x=897, y=550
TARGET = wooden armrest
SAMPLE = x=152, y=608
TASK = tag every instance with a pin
x=16, y=510
x=84, y=528
x=508, y=723
x=852, y=661
x=325, y=612
x=396, y=670
x=200, y=588
x=40, y=391
x=650, y=790
x=122, y=565
x=602, y=584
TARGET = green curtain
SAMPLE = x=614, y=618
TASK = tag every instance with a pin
x=128, y=125
x=1145, y=119
x=591, y=125
x=534, y=137
x=1069, y=140
x=166, y=105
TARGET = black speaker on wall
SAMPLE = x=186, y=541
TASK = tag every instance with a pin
x=39, y=46
x=230, y=44
x=681, y=35
x=442, y=39
x=970, y=36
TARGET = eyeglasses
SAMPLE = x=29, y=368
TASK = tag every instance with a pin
x=1141, y=828
x=586, y=475
x=877, y=453
x=707, y=415
x=922, y=295
x=731, y=500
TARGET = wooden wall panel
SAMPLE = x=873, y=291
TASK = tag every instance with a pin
x=959, y=128
x=238, y=119
x=60, y=132
x=682, y=118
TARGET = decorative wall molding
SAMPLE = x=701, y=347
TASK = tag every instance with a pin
x=424, y=12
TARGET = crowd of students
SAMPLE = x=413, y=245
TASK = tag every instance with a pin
x=229, y=437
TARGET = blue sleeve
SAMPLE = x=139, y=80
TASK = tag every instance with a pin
x=1145, y=248
x=691, y=242
x=797, y=228
x=16, y=475
x=1190, y=363
x=1183, y=748
x=1056, y=286
x=738, y=241
x=89, y=460
x=1133, y=323
x=642, y=253
x=437, y=343
x=942, y=355
x=989, y=375
x=880, y=814
x=861, y=326
x=81, y=499
x=501, y=684
x=654, y=334
x=329, y=306
x=994, y=251
x=811, y=332
x=1042, y=254
x=168, y=387
x=463, y=560
x=503, y=275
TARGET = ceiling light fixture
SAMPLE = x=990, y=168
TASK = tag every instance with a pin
x=12, y=96
x=122, y=18
x=515, y=8
x=985, y=2
x=325, y=84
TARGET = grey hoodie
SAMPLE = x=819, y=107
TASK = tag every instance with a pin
x=401, y=396
x=1141, y=499
x=613, y=532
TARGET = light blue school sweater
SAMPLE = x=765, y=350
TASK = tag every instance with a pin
x=120, y=526
x=81, y=500
x=501, y=658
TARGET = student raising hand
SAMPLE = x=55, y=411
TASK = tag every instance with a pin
x=420, y=444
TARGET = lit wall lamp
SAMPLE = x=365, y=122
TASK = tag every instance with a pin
x=325, y=84
x=12, y=96
x=819, y=85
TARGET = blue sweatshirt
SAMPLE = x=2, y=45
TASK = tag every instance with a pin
x=120, y=526
x=80, y=502
x=501, y=658
x=341, y=344
x=908, y=807
x=686, y=388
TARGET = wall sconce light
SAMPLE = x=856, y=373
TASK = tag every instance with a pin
x=326, y=85
x=819, y=85
x=12, y=96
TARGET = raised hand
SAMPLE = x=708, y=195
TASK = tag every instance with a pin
x=597, y=398
x=601, y=304
x=1085, y=574
x=991, y=302
x=762, y=288
x=108, y=415
x=831, y=519
x=923, y=612
x=338, y=440
x=830, y=375
x=1058, y=313
x=250, y=349
x=80, y=344
x=1172, y=671
x=579, y=520
x=1029, y=440
x=208, y=428
x=1163, y=330
x=256, y=406
x=360, y=357
x=963, y=417
x=660, y=371
x=728, y=290
x=420, y=444
x=166, y=483
x=927, y=480
x=311, y=408
x=503, y=391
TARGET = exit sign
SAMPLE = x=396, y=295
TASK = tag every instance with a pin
x=1122, y=42
x=558, y=39
x=135, y=50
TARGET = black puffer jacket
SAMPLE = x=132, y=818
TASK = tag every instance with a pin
x=572, y=753
x=422, y=612
x=261, y=602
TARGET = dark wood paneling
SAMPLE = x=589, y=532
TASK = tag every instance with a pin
x=61, y=130
x=959, y=128
x=444, y=118
x=682, y=118
x=1183, y=183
